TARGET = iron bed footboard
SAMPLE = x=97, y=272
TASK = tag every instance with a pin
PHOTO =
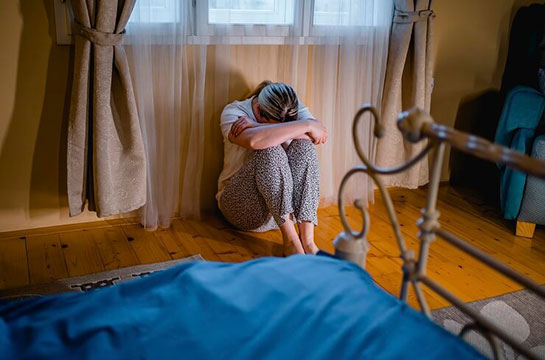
x=416, y=125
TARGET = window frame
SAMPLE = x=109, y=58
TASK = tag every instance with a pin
x=237, y=31
x=302, y=31
x=177, y=16
x=282, y=8
x=324, y=31
x=63, y=21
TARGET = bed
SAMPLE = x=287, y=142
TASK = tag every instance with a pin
x=311, y=307
x=301, y=307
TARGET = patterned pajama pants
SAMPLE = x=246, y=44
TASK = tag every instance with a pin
x=272, y=183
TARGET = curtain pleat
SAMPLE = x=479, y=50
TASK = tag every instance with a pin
x=105, y=155
x=408, y=83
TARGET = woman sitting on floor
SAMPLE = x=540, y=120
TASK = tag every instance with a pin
x=271, y=176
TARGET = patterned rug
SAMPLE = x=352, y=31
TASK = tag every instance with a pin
x=92, y=281
x=521, y=313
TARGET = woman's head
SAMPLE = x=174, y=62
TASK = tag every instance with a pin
x=276, y=101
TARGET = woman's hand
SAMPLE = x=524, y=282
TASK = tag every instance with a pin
x=240, y=125
x=317, y=133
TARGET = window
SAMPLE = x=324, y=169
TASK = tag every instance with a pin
x=281, y=12
x=243, y=21
x=156, y=11
x=272, y=20
x=337, y=12
x=63, y=22
x=341, y=17
x=257, y=12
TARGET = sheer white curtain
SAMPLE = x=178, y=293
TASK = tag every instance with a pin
x=188, y=63
x=168, y=104
x=347, y=70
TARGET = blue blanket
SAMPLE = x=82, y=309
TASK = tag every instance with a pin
x=520, y=117
x=301, y=307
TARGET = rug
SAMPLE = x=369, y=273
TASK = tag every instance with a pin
x=521, y=313
x=92, y=281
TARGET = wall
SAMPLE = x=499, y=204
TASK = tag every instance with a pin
x=34, y=86
x=471, y=45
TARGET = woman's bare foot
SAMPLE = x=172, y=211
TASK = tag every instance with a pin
x=292, y=244
x=293, y=247
x=306, y=233
x=310, y=247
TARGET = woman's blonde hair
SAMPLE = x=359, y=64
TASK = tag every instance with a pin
x=277, y=101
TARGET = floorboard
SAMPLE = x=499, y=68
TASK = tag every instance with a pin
x=42, y=255
x=147, y=247
x=113, y=247
x=13, y=263
x=81, y=253
x=45, y=258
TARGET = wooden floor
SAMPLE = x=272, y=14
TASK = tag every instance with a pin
x=42, y=255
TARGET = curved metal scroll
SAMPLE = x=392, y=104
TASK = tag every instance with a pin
x=416, y=125
x=373, y=171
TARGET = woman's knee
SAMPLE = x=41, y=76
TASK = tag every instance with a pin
x=302, y=150
x=302, y=144
x=274, y=156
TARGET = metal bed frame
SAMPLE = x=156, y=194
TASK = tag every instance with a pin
x=416, y=125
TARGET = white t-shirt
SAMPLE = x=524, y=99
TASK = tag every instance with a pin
x=235, y=155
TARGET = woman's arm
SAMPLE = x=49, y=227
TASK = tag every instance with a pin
x=243, y=123
x=267, y=135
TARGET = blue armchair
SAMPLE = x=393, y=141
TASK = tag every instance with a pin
x=521, y=197
x=521, y=125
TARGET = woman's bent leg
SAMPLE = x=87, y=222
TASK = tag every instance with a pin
x=263, y=186
x=305, y=171
x=241, y=203
x=274, y=181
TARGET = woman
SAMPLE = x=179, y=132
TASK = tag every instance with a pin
x=270, y=174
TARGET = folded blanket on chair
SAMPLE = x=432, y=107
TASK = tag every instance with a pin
x=520, y=117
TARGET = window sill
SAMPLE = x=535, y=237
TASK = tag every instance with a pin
x=259, y=40
x=236, y=40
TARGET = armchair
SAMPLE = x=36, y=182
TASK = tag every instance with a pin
x=521, y=123
x=521, y=197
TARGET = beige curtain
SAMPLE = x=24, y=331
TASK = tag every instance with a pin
x=105, y=159
x=408, y=83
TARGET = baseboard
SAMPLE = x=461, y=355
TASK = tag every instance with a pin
x=69, y=227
